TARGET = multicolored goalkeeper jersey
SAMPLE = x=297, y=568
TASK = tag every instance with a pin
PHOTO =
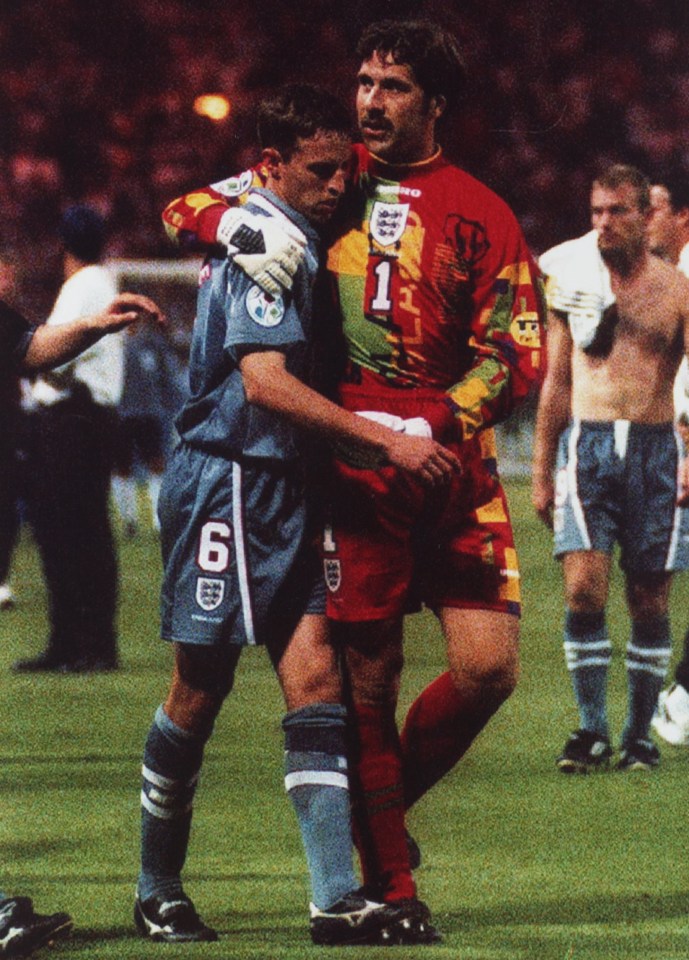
x=436, y=285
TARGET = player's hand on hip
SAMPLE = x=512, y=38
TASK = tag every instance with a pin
x=269, y=251
x=424, y=458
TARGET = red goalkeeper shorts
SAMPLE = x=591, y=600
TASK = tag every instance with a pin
x=394, y=544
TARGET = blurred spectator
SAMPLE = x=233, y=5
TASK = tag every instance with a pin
x=70, y=465
x=154, y=389
x=9, y=441
x=97, y=103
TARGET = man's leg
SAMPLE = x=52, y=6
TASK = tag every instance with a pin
x=445, y=719
x=373, y=659
x=648, y=658
x=315, y=759
x=317, y=782
x=373, y=654
x=172, y=759
x=588, y=652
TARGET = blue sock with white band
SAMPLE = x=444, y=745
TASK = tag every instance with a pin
x=172, y=760
x=588, y=652
x=317, y=783
x=648, y=658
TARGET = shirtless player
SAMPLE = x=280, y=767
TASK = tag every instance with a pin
x=608, y=465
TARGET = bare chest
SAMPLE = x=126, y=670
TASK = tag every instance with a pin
x=648, y=322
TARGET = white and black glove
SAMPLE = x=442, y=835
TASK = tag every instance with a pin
x=268, y=251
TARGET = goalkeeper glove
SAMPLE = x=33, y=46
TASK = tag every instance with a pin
x=268, y=251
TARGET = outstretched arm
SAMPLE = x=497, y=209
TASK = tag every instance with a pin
x=268, y=384
x=552, y=416
x=214, y=217
x=53, y=345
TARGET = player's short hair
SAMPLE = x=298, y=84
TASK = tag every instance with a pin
x=427, y=48
x=620, y=174
x=300, y=110
x=676, y=182
x=82, y=230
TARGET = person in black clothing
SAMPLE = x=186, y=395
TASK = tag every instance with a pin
x=27, y=348
x=71, y=451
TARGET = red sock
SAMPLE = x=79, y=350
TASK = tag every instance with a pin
x=380, y=833
x=441, y=725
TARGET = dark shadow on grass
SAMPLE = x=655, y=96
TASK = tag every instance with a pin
x=13, y=850
x=28, y=760
x=284, y=933
x=622, y=909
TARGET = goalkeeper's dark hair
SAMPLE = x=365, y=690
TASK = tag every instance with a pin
x=300, y=110
x=427, y=48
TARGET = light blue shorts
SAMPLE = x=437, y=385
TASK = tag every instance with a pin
x=617, y=483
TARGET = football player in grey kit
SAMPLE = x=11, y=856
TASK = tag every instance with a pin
x=238, y=543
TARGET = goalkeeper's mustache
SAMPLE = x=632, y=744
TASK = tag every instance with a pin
x=375, y=119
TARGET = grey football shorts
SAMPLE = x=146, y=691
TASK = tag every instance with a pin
x=239, y=563
x=617, y=483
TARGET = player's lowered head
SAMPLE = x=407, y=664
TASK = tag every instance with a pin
x=411, y=74
x=305, y=137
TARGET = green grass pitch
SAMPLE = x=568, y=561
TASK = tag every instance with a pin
x=520, y=863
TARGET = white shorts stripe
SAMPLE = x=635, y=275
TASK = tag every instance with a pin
x=240, y=554
x=677, y=517
x=323, y=778
x=572, y=486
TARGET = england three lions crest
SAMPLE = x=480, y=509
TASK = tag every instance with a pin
x=388, y=221
x=333, y=574
x=210, y=593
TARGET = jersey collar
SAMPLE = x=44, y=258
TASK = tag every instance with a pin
x=400, y=171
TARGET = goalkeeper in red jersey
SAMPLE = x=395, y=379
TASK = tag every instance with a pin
x=443, y=320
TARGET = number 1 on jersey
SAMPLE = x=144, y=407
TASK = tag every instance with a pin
x=381, y=284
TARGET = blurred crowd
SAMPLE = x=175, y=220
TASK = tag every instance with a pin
x=96, y=104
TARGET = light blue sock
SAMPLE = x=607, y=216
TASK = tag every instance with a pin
x=317, y=783
x=588, y=651
x=172, y=760
x=648, y=658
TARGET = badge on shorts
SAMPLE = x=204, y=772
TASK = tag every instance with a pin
x=265, y=310
x=210, y=593
x=388, y=221
x=333, y=574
